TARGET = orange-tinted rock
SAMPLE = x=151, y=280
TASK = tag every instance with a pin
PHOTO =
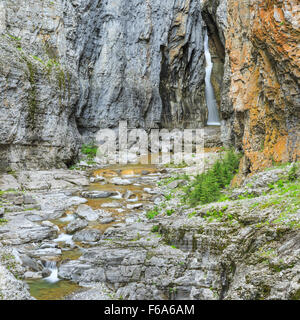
x=262, y=41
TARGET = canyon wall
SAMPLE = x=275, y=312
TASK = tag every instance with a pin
x=38, y=90
x=69, y=68
x=263, y=47
x=260, y=94
x=140, y=61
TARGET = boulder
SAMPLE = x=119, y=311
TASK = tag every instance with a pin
x=87, y=213
x=89, y=235
x=76, y=225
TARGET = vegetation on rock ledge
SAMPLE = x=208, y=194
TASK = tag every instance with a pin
x=207, y=186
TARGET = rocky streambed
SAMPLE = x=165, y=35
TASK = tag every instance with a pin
x=124, y=233
x=52, y=218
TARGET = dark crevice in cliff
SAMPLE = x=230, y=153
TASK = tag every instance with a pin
x=227, y=275
x=163, y=90
x=213, y=33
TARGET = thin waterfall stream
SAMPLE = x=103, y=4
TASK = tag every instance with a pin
x=213, y=116
x=53, y=278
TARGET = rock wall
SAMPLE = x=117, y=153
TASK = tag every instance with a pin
x=83, y=65
x=38, y=90
x=73, y=67
x=265, y=86
x=137, y=61
x=259, y=96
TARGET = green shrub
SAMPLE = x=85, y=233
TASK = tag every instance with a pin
x=155, y=229
x=89, y=150
x=152, y=213
x=169, y=212
x=168, y=196
x=207, y=186
x=292, y=175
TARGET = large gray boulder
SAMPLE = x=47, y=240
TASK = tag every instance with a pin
x=87, y=213
x=76, y=225
x=89, y=235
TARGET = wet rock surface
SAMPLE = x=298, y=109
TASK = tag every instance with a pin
x=155, y=247
x=76, y=225
x=181, y=253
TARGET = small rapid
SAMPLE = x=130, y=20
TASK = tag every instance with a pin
x=51, y=266
x=118, y=207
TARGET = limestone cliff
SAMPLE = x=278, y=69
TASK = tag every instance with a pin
x=69, y=66
x=260, y=95
x=263, y=47
x=140, y=61
x=38, y=91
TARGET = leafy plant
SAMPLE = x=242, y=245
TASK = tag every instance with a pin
x=89, y=150
x=169, y=212
x=191, y=215
x=155, y=229
x=152, y=213
x=207, y=186
x=168, y=196
x=292, y=174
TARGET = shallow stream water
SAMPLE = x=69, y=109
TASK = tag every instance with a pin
x=53, y=288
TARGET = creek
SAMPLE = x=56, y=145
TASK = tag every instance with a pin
x=118, y=207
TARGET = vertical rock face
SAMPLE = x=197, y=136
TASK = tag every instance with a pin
x=78, y=64
x=73, y=66
x=38, y=93
x=140, y=61
x=260, y=95
x=263, y=47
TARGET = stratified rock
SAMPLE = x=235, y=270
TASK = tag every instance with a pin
x=76, y=225
x=107, y=220
x=120, y=181
x=134, y=206
x=38, y=93
x=88, y=68
x=87, y=213
x=46, y=253
x=97, y=194
x=111, y=205
x=33, y=275
x=176, y=183
x=19, y=230
x=89, y=235
x=9, y=182
x=11, y=288
x=30, y=263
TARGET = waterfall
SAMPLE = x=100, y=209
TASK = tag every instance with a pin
x=65, y=238
x=213, y=117
x=51, y=265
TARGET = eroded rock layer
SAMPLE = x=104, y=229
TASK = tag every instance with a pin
x=70, y=68
x=38, y=91
x=262, y=41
